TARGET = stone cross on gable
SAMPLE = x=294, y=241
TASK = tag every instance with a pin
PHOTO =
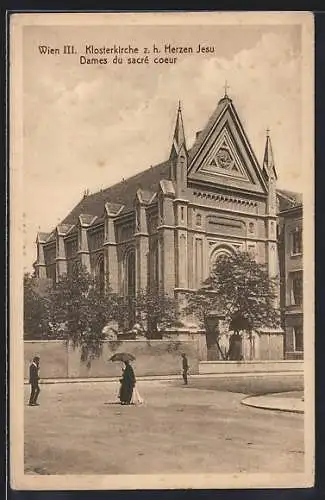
x=226, y=87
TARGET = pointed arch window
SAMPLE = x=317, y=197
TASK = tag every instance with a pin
x=129, y=265
x=154, y=267
x=100, y=273
x=129, y=285
x=51, y=272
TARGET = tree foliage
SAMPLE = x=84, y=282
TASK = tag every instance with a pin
x=242, y=290
x=156, y=312
x=35, y=308
x=77, y=309
x=149, y=312
x=80, y=309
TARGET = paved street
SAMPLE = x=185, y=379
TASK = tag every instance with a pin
x=77, y=429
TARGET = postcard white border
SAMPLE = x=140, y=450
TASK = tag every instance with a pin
x=19, y=480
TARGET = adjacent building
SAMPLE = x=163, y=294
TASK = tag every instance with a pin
x=291, y=271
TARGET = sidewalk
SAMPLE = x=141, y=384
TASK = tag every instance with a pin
x=161, y=377
x=289, y=402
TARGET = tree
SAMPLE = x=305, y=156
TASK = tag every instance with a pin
x=242, y=290
x=152, y=313
x=155, y=312
x=80, y=308
x=35, y=308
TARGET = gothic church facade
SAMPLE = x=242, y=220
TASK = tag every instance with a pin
x=163, y=228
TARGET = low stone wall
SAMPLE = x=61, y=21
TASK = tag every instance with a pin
x=294, y=355
x=276, y=366
x=185, y=335
x=263, y=345
x=153, y=357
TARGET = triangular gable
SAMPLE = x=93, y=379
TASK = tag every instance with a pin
x=223, y=155
x=225, y=159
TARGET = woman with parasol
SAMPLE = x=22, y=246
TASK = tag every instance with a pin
x=128, y=380
x=127, y=383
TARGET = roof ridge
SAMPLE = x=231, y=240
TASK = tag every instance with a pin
x=127, y=179
x=287, y=192
x=122, y=192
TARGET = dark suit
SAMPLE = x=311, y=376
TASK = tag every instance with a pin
x=185, y=369
x=33, y=380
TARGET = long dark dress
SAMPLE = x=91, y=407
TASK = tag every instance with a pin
x=127, y=384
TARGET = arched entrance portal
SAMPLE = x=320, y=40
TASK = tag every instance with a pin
x=216, y=339
x=217, y=252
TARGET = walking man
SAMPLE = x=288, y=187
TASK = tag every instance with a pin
x=185, y=368
x=34, y=381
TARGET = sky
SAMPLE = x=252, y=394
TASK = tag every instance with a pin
x=88, y=126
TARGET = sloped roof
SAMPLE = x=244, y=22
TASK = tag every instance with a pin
x=288, y=199
x=64, y=228
x=200, y=138
x=122, y=193
x=87, y=219
x=43, y=236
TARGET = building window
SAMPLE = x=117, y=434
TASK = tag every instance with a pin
x=298, y=339
x=130, y=273
x=96, y=240
x=49, y=257
x=51, y=272
x=129, y=269
x=71, y=248
x=154, y=267
x=251, y=250
x=296, y=288
x=152, y=223
x=100, y=273
x=296, y=242
x=182, y=214
x=198, y=220
x=217, y=253
x=251, y=227
x=127, y=232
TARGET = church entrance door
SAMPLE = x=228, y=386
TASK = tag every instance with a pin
x=214, y=351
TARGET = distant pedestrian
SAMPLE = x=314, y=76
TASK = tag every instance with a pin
x=185, y=368
x=34, y=381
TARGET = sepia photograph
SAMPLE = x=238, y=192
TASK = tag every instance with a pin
x=161, y=250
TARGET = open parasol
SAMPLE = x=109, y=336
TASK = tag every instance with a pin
x=122, y=356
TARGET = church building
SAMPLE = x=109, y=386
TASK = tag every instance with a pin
x=163, y=228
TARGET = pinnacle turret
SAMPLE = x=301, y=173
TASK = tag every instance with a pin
x=268, y=160
x=179, y=136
